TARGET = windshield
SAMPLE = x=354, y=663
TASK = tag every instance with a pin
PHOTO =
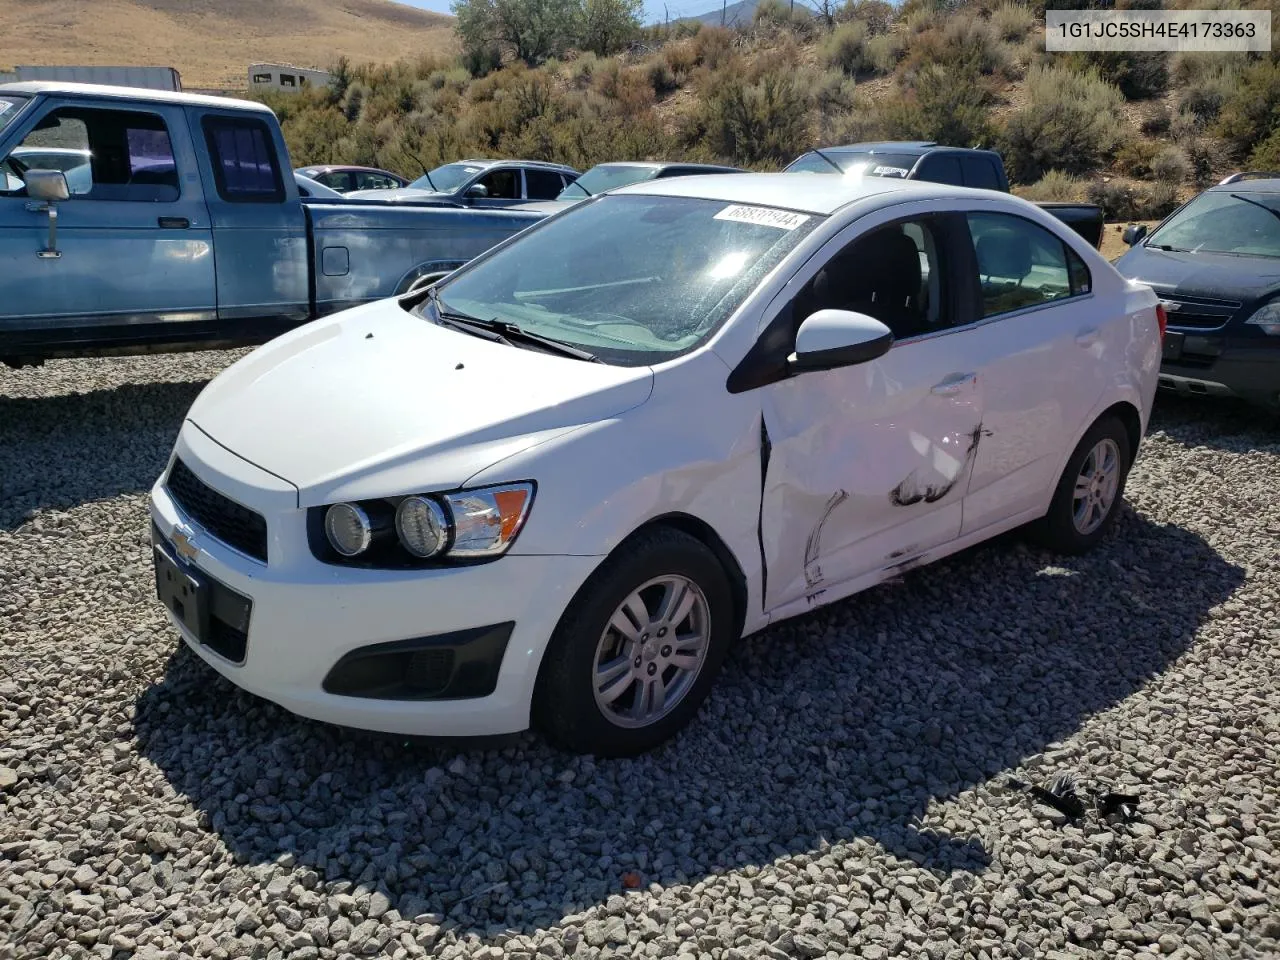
x=868, y=164
x=9, y=107
x=1246, y=224
x=631, y=279
x=448, y=178
x=606, y=177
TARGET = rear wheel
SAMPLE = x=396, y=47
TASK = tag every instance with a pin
x=1087, y=499
x=638, y=649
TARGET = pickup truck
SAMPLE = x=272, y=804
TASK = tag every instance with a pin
x=186, y=229
x=926, y=160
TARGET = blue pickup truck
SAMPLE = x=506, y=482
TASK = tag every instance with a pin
x=135, y=220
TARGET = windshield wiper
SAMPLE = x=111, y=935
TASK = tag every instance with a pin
x=580, y=187
x=1167, y=248
x=500, y=331
x=1274, y=213
x=839, y=169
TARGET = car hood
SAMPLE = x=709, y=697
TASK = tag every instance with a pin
x=1214, y=276
x=377, y=402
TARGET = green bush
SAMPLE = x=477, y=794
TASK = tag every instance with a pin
x=940, y=106
x=1054, y=187
x=1156, y=201
x=760, y=123
x=1012, y=22
x=846, y=49
x=1134, y=158
x=1266, y=155
x=1158, y=122
x=1252, y=111
x=1170, y=166
x=661, y=77
x=1072, y=122
x=885, y=51
x=1139, y=75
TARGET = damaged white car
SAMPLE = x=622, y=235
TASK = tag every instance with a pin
x=556, y=487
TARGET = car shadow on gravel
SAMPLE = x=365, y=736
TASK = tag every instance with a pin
x=1214, y=422
x=851, y=725
x=61, y=451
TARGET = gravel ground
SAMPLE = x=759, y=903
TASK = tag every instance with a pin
x=846, y=792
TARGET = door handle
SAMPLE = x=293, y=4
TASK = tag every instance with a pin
x=174, y=223
x=1087, y=337
x=954, y=384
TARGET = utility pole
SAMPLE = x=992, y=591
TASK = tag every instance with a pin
x=723, y=5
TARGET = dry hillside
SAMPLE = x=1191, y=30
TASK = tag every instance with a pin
x=212, y=42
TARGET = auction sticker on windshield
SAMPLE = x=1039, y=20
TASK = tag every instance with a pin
x=763, y=216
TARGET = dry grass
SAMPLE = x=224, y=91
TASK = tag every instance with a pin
x=212, y=42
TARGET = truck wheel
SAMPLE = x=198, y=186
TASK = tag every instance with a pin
x=637, y=650
x=1088, y=496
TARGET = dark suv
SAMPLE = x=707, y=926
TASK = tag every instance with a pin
x=481, y=183
x=1215, y=264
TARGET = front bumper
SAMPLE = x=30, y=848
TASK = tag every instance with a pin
x=306, y=617
x=1224, y=366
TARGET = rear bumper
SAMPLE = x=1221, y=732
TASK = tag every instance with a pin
x=1248, y=371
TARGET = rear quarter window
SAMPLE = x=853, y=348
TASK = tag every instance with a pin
x=245, y=169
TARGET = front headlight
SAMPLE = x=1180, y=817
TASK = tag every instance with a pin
x=1268, y=318
x=463, y=526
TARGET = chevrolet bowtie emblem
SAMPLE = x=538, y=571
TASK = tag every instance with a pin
x=183, y=543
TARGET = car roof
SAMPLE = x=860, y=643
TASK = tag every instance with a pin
x=1260, y=185
x=667, y=164
x=480, y=161
x=818, y=194
x=916, y=148
x=331, y=167
x=56, y=88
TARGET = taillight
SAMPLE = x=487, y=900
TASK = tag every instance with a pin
x=1162, y=318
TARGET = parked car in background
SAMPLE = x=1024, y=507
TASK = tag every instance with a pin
x=310, y=188
x=482, y=183
x=609, y=176
x=1215, y=264
x=72, y=162
x=486, y=503
x=926, y=160
x=345, y=179
x=189, y=231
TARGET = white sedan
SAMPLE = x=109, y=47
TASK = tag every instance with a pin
x=556, y=487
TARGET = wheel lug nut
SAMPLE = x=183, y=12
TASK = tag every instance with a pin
x=653, y=668
x=644, y=636
x=666, y=651
x=637, y=662
x=662, y=632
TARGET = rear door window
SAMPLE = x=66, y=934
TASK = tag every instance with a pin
x=942, y=169
x=543, y=184
x=245, y=168
x=1021, y=264
x=980, y=173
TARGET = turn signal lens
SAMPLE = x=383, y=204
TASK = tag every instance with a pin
x=1162, y=318
x=487, y=521
x=422, y=526
x=1268, y=318
x=348, y=528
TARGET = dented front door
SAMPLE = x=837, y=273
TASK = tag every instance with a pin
x=867, y=467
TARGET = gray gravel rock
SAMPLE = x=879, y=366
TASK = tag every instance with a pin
x=843, y=793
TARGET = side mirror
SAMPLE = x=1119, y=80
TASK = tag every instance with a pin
x=838, y=338
x=1134, y=232
x=477, y=191
x=47, y=185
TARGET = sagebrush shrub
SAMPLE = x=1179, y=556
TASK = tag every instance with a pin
x=1054, y=187
x=846, y=49
x=1170, y=165
x=1252, y=111
x=1134, y=158
x=1072, y=122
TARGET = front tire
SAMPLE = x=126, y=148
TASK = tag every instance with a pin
x=638, y=648
x=1088, y=496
